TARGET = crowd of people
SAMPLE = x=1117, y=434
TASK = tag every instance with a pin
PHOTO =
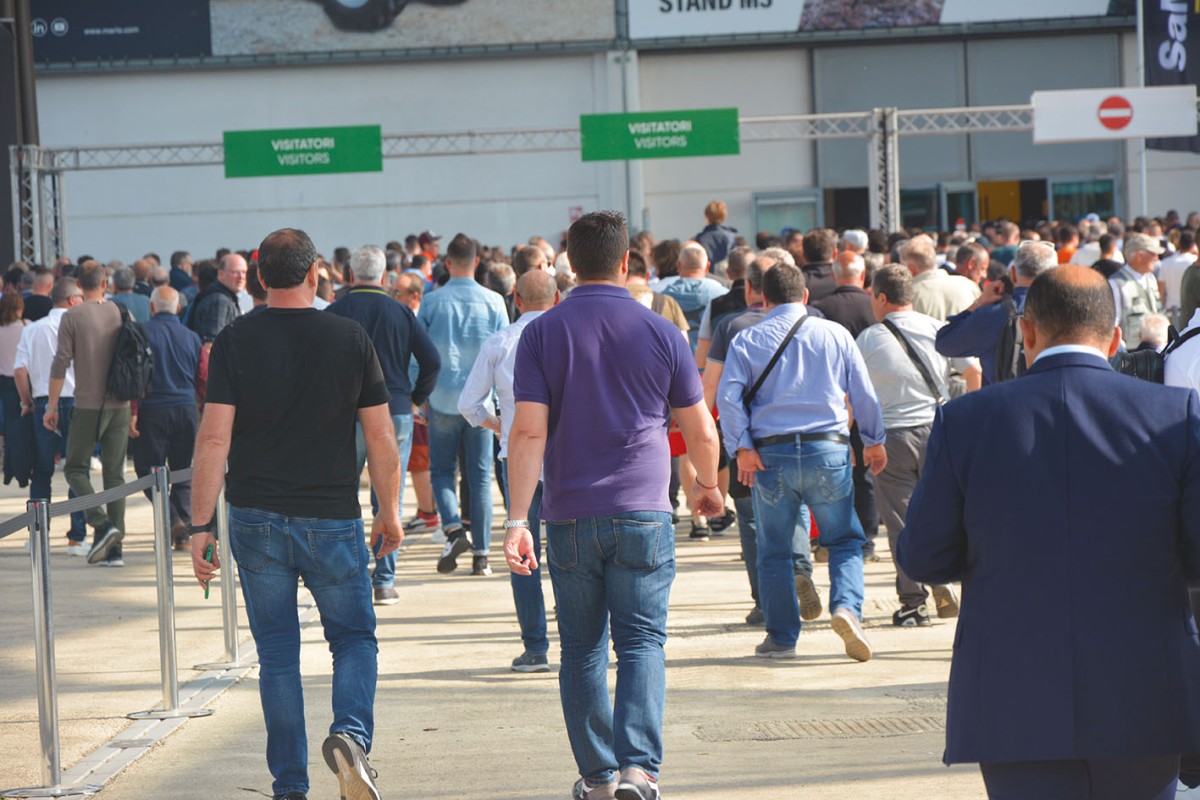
x=804, y=387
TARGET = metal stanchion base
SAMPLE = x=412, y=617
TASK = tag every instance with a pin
x=176, y=714
x=224, y=665
x=52, y=791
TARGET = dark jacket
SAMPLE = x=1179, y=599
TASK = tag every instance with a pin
x=732, y=303
x=718, y=240
x=849, y=306
x=176, y=359
x=212, y=310
x=819, y=279
x=1032, y=489
x=397, y=338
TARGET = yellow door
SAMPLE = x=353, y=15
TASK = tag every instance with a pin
x=1000, y=199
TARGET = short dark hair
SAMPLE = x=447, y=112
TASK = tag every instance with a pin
x=91, y=276
x=1070, y=302
x=895, y=283
x=820, y=244
x=64, y=289
x=665, y=256
x=637, y=265
x=205, y=272
x=179, y=256
x=738, y=261
x=1187, y=238
x=966, y=252
x=525, y=257
x=1107, y=242
x=284, y=258
x=461, y=250
x=254, y=286
x=755, y=274
x=597, y=244
x=784, y=283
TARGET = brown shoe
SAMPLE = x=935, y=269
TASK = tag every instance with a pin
x=846, y=625
x=180, y=537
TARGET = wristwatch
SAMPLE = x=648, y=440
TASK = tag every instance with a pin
x=516, y=523
x=207, y=527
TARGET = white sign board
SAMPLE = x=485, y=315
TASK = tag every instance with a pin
x=1098, y=114
x=956, y=12
x=654, y=19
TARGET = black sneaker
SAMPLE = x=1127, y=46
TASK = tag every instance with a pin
x=386, y=596
x=531, y=662
x=291, y=796
x=912, y=617
x=945, y=601
x=700, y=533
x=356, y=779
x=810, y=600
x=104, y=539
x=721, y=523
x=479, y=566
x=456, y=544
x=755, y=617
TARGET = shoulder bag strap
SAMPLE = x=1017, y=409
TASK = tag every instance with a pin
x=917, y=362
x=749, y=396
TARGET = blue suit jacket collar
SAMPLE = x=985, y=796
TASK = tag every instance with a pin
x=1068, y=360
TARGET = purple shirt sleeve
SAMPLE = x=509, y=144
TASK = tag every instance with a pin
x=529, y=381
x=686, y=389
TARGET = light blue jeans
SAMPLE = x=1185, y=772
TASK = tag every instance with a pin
x=617, y=569
x=273, y=552
x=385, y=568
x=445, y=433
x=818, y=474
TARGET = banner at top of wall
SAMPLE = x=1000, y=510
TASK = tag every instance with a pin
x=665, y=19
x=660, y=134
x=1171, y=31
x=303, y=151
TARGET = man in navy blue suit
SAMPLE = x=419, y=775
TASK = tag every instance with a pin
x=1073, y=491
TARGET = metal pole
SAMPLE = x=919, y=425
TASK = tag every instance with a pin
x=14, y=161
x=160, y=500
x=1141, y=57
x=50, y=763
x=229, y=609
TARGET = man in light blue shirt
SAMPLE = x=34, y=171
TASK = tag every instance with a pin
x=460, y=317
x=792, y=445
x=536, y=292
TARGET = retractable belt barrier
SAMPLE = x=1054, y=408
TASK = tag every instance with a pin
x=36, y=520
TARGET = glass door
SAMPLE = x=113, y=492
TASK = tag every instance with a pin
x=776, y=212
x=920, y=208
x=959, y=205
x=1071, y=199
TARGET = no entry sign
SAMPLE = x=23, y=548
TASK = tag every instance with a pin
x=1096, y=114
x=1116, y=112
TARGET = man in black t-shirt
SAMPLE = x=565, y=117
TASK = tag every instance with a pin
x=285, y=388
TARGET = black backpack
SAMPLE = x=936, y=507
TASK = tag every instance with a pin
x=1149, y=365
x=132, y=368
x=1010, y=350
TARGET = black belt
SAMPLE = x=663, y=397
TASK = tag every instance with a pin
x=789, y=438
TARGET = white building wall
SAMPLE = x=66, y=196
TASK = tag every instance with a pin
x=500, y=199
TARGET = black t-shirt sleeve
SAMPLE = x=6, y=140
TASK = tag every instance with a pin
x=374, y=390
x=221, y=384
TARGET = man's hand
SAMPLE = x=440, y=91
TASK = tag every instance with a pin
x=706, y=502
x=133, y=429
x=492, y=423
x=26, y=409
x=992, y=294
x=518, y=551
x=419, y=416
x=390, y=531
x=875, y=457
x=50, y=420
x=203, y=570
x=748, y=463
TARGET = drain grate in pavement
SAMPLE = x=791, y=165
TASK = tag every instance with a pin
x=784, y=730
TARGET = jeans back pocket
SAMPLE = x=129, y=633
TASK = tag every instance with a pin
x=643, y=544
x=562, y=549
x=251, y=543
x=336, y=549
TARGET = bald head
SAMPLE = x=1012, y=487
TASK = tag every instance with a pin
x=693, y=260
x=1070, y=304
x=164, y=299
x=537, y=290
x=232, y=272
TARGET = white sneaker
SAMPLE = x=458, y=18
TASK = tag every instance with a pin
x=77, y=549
x=439, y=536
x=95, y=465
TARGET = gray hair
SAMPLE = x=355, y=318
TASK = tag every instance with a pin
x=780, y=256
x=395, y=260
x=164, y=298
x=501, y=278
x=123, y=279
x=1154, y=330
x=693, y=258
x=919, y=254
x=1034, y=259
x=537, y=288
x=368, y=263
x=849, y=268
x=160, y=276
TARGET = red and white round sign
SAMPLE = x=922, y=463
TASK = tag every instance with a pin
x=1115, y=112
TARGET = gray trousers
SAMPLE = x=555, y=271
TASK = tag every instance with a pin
x=893, y=489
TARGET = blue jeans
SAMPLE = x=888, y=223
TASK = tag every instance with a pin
x=817, y=474
x=527, y=589
x=446, y=431
x=385, y=567
x=49, y=444
x=801, y=545
x=273, y=552
x=617, y=568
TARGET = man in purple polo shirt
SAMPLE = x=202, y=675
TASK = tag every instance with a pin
x=596, y=380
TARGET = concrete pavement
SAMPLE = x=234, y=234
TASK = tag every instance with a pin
x=451, y=720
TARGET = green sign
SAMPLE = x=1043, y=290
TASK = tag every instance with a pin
x=660, y=134
x=303, y=151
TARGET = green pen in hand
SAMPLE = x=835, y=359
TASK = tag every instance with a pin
x=208, y=554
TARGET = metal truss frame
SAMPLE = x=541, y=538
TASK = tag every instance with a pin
x=37, y=172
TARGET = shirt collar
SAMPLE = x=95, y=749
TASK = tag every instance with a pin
x=794, y=310
x=1195, y=320
x=1062, y=349
x=601, y=290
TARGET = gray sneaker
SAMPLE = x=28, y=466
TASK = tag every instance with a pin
x=772, y=649
x=356, y=779
x=386, y=596
x=810, y=600
x=583, y=790
x=635, y=784
x=531, y=662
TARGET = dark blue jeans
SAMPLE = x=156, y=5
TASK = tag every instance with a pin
x=527, y=589
x=617, y=568
x=747, y=533
x=402, y=426
x=49, y=444
x=446, y=433
x=273, y=552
